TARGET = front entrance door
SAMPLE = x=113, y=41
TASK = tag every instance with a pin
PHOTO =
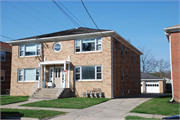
x=57, y=78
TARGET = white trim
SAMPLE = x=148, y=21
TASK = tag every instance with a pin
x=59, y=38
x=69, y=75
x=39, y=85
x=153, y=80
x=64, y=75
x=55, y=62
x=28, y=81
x=170, y=28
x=44, y=76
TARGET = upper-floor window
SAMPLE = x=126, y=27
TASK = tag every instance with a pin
x=87, y=45
x=29, y=74
x=57, y=47
x=126, y=51
x=88, y=73
x=122, y=76
x=3, y=56
x=30, y=50
x=121, y=49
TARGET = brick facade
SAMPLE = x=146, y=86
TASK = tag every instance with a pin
x=6, y=66
x=175, y=61
x=103, y=58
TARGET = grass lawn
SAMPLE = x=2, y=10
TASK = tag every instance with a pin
x=159, y=105
x=13, y=99
x=137, y=117
x=29, y=113
x=75, y=103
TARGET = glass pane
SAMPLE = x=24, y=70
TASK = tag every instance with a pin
x=77, y=48
x=88, y=45
x=37, y=77
x=99, y=41
x=39, y=46
x=20, y=78
x=29, y=75
x=88, y=72
x=58, y=73
x=57, y=47
x=21, y=53
x=38, y=52
x=98, y=69
x=98, y=47
x=20, y=72
x=77, y=42
x=77, y=70
x=21, y=47
x=30, y=50
x=2, y=56
x=98, y=75
x=77, y=76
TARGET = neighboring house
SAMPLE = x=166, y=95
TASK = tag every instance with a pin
x=152, y=84
x=173, y=36
x=110, y=64
x=6, y=51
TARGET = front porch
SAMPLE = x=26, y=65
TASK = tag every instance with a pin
x=51, y=74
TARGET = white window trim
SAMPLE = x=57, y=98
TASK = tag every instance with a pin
x=4, y=56
x=54, y=45
x=3, y=76
x=88, y=79
x=29, y=55
x=87, y=51
x=24, y=75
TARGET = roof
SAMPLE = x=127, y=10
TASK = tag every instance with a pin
x=174, y=26
x=5, y=45
x=171, y=29
x=80, y=30
x=148, y=76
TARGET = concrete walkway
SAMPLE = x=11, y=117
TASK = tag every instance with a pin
x=115, y=109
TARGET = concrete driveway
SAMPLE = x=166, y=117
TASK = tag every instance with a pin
x=115, y=109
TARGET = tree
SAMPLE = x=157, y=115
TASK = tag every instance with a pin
x=163, y=66
x=148, y=62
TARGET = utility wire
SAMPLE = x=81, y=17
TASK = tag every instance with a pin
x=21, y=24
x=41, y=13
x=6, y=37
x=31, y=15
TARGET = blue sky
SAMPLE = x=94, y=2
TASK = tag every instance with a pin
x=142, y=22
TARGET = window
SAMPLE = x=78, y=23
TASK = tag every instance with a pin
x=2, y=75
x=30, y=50
x=57, y=47
x=122, y=76
x=126, y=51
x=127, y=76
x=87, y=45
x=30, y=74
x=132, y=77
x=121, y=49
x=132, y=55
x=88, y=73
x=3, y=56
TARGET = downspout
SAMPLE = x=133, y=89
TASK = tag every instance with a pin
x=171, y=68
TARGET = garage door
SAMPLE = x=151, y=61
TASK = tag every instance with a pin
x=152, y=87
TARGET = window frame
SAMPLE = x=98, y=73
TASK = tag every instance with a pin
x=3, y=75
x=122, y=51
x=132, y=76
x=132, y=56
x=88, y=79
x=87, y=51
x=126, y=51
x=23, y=75
x=24, y=50
x=56, y=44
x=122, y=75
x=4, y=56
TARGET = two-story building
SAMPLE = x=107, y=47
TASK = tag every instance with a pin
x=93, y=59
x=6, y=51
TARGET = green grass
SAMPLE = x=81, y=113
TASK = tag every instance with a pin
x=29, y=113
x=137, y=117
x=75, y=103
x=13, y=99
x=159, y=105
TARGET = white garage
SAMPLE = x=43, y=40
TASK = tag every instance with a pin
x=152, y=87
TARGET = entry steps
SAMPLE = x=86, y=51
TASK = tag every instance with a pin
x=50, y=93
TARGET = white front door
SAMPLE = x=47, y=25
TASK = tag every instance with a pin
x=62, y=78
x=51, y=75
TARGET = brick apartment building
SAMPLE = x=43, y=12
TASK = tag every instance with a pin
x=93, y=59
x=173, y=36
x=6, y=51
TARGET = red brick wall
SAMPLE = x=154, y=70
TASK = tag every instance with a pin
x=6, y=65
x=175, y=59
x=124, y=62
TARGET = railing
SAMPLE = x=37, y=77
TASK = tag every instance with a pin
x=34, y=88
x=60, y=88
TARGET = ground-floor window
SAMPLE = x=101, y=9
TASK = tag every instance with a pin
x=88, y=73
x=2, y=75
x=28, y=75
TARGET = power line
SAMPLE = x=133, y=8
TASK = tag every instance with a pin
x=40, y=13
x=30, y=15
x=6, y=37
x=21, y=24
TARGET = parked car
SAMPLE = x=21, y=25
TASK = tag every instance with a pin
x=171, y=117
